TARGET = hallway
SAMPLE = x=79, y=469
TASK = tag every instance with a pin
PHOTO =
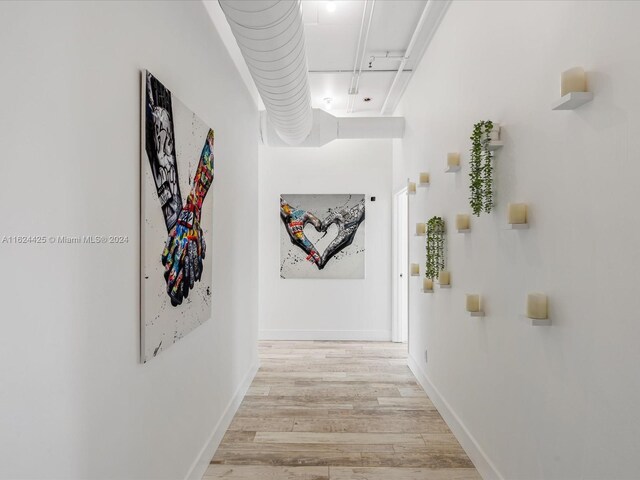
x=339, y=411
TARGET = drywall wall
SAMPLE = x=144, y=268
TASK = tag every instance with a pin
x=556, y=402
x=75, y=401
x=326, y=309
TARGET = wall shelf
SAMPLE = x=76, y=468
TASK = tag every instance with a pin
x=424, y=185
x=538, y=322
x=427, y=291
x=495, y=145
x=572, y=100
x=453, y=169
x=476, y=314
x=517, y=226
x=464, y=230
x=444, y=286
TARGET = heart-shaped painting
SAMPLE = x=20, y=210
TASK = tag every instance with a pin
x=321, y=238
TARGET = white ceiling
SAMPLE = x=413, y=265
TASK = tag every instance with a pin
x=332, y=41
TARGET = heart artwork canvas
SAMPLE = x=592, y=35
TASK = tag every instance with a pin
x=322, y=236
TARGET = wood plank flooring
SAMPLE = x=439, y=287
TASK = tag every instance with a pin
x=338, y=411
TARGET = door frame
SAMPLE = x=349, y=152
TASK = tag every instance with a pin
x=400, y=267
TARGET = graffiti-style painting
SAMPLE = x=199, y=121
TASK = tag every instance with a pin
x=322, y=236
x=177, y=173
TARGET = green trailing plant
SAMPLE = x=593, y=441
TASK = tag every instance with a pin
x=481, y=174
x=435, y=247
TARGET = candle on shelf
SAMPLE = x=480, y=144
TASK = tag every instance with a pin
x=415, y=269
x=517, y=213
x=473, y=303
x=427, y=284
x=421, y=229
x=462, y=221
x=411, y=187
x=573, y=80
x=453, y=160
x=537, y=306
x=424, y=178
x=444, y=278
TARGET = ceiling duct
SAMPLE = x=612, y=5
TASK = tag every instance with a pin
x=270, y=35
x=327, y=128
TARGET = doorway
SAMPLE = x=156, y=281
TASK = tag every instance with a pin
x=400, y=246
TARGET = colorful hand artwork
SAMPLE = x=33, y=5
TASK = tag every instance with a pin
x=346, y=219
x=185, y=247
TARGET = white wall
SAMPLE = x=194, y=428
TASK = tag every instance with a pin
x=74, y=400
x=557, y=402
x=327, y=309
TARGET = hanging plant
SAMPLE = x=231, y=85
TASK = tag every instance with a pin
x=435, y=247
x=481, y=174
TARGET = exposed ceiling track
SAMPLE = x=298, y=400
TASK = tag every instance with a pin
x=270, y=34
x=369, y=5
x=428, y=23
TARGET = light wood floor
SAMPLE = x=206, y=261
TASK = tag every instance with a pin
x=338, y=411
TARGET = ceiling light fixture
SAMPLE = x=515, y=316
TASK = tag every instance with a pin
x=331, y=6
x=327, y=102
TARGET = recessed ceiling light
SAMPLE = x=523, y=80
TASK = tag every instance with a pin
x=366, y=99
x=331, y=6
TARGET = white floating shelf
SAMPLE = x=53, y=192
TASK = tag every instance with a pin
x=496, y=145
x=476, y=314
x=572, y=100
x=452, y=169
x=423, y=185
x=444, y=286
x=538, y=322
x=464, y=230
x=427, y=291
x=517, y=226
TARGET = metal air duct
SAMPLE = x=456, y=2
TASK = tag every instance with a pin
x=270, y=35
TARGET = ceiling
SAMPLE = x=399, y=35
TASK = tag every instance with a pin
x=332, y=31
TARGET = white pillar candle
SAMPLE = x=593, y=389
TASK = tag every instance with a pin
x=427, y=284
x=473, y=303
x=537, y=306
x=453, y=159
x=517, y=213
x=573, y=80
x=494, y=136
x=462, y=221
x=424, y=178
x=421, y=228
x=411, y=187
x=415, y=269
x=444, y=278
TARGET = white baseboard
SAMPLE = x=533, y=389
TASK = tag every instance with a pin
x=363, y=335
x=483, y=464
x=200, y=465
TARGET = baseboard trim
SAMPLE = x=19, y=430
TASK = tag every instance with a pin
x=360, y=335
x=199, y=466
x=483, y=464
